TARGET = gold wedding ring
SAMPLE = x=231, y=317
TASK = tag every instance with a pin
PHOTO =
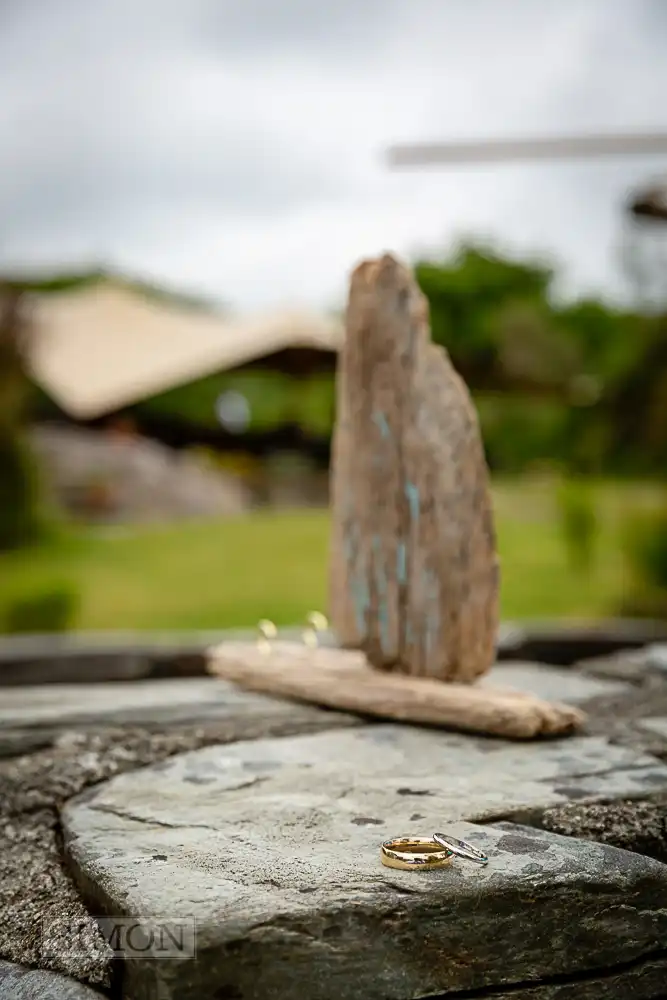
x=414, y=854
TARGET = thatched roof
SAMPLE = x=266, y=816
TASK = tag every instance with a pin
x=100, y=348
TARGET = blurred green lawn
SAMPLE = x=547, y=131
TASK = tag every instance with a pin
x=228, y=573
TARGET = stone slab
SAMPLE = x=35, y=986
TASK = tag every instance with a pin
x=630, y=664
x=153, y=703
x=564, y=643
x=99, y=657
x=19, y=983
x=655, y=725
x=35, y=890
x=273, y=846
x=653, y=657
x=15, y=742
x=182, y=700
x=32, y=716
x=380, y=771
x=639, y=826
x=643, y=981
x=550, y=683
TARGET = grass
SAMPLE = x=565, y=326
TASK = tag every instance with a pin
x=230, y=573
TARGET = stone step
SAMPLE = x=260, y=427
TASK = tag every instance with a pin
x=642, y=980
x=99, y=657
x=33, y=716
x=272, y=846
x=160, y=703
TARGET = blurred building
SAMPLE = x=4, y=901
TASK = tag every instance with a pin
x=102, y=352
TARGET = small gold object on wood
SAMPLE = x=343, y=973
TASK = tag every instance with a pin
x=266, y=633
x=316, y=622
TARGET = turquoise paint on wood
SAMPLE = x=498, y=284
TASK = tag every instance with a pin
x=359, y=592
x=383, y=618
x=380, y=421
x=381, y=584
x=361, y=602
x=401, y=563
x=432, y=625
x=412, y=494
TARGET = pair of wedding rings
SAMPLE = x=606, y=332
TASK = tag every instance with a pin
x=427, y=853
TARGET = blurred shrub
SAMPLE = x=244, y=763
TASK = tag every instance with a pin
x=518, y=432
x=578, y=521
x=22, y=518
x=49, y=610
x=645, y=548
x=21, y=514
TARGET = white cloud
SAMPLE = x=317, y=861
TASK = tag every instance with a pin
x=237, y=149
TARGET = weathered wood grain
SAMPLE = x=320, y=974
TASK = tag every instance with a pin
x=344, y=680
x=414, y=572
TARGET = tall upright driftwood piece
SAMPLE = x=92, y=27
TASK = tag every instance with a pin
x=414, y=572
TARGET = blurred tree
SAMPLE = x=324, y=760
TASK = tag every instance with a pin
x=466, y=294
x=604, y=367
x=20, y=509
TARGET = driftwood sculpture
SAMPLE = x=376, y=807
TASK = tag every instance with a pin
x=414, y=571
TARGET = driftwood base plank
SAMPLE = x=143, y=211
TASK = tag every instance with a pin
x=343, y=679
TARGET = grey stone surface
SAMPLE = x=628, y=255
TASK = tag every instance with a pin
x=633, y=826
x=123, y=726
x=657, y=725
x=177, y=701
x=156, y=704
x=34, y=888
x=651, y=657
x=14, y=742
x=20, y=983
x=273, y=846
x=656, y=656
x=620, y=718
x=551, y=683
x=618, y=667
x=32, y=716
x=35, y=892
x=645, y=980
x=378, y=771
x=629, y=664
x=563, y=643
x=97, y=657
x=306, y=922
x=109, y=656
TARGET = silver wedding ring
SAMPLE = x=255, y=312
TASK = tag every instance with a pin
x=461, y=848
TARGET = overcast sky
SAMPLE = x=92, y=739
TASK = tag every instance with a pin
x=234, y=147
